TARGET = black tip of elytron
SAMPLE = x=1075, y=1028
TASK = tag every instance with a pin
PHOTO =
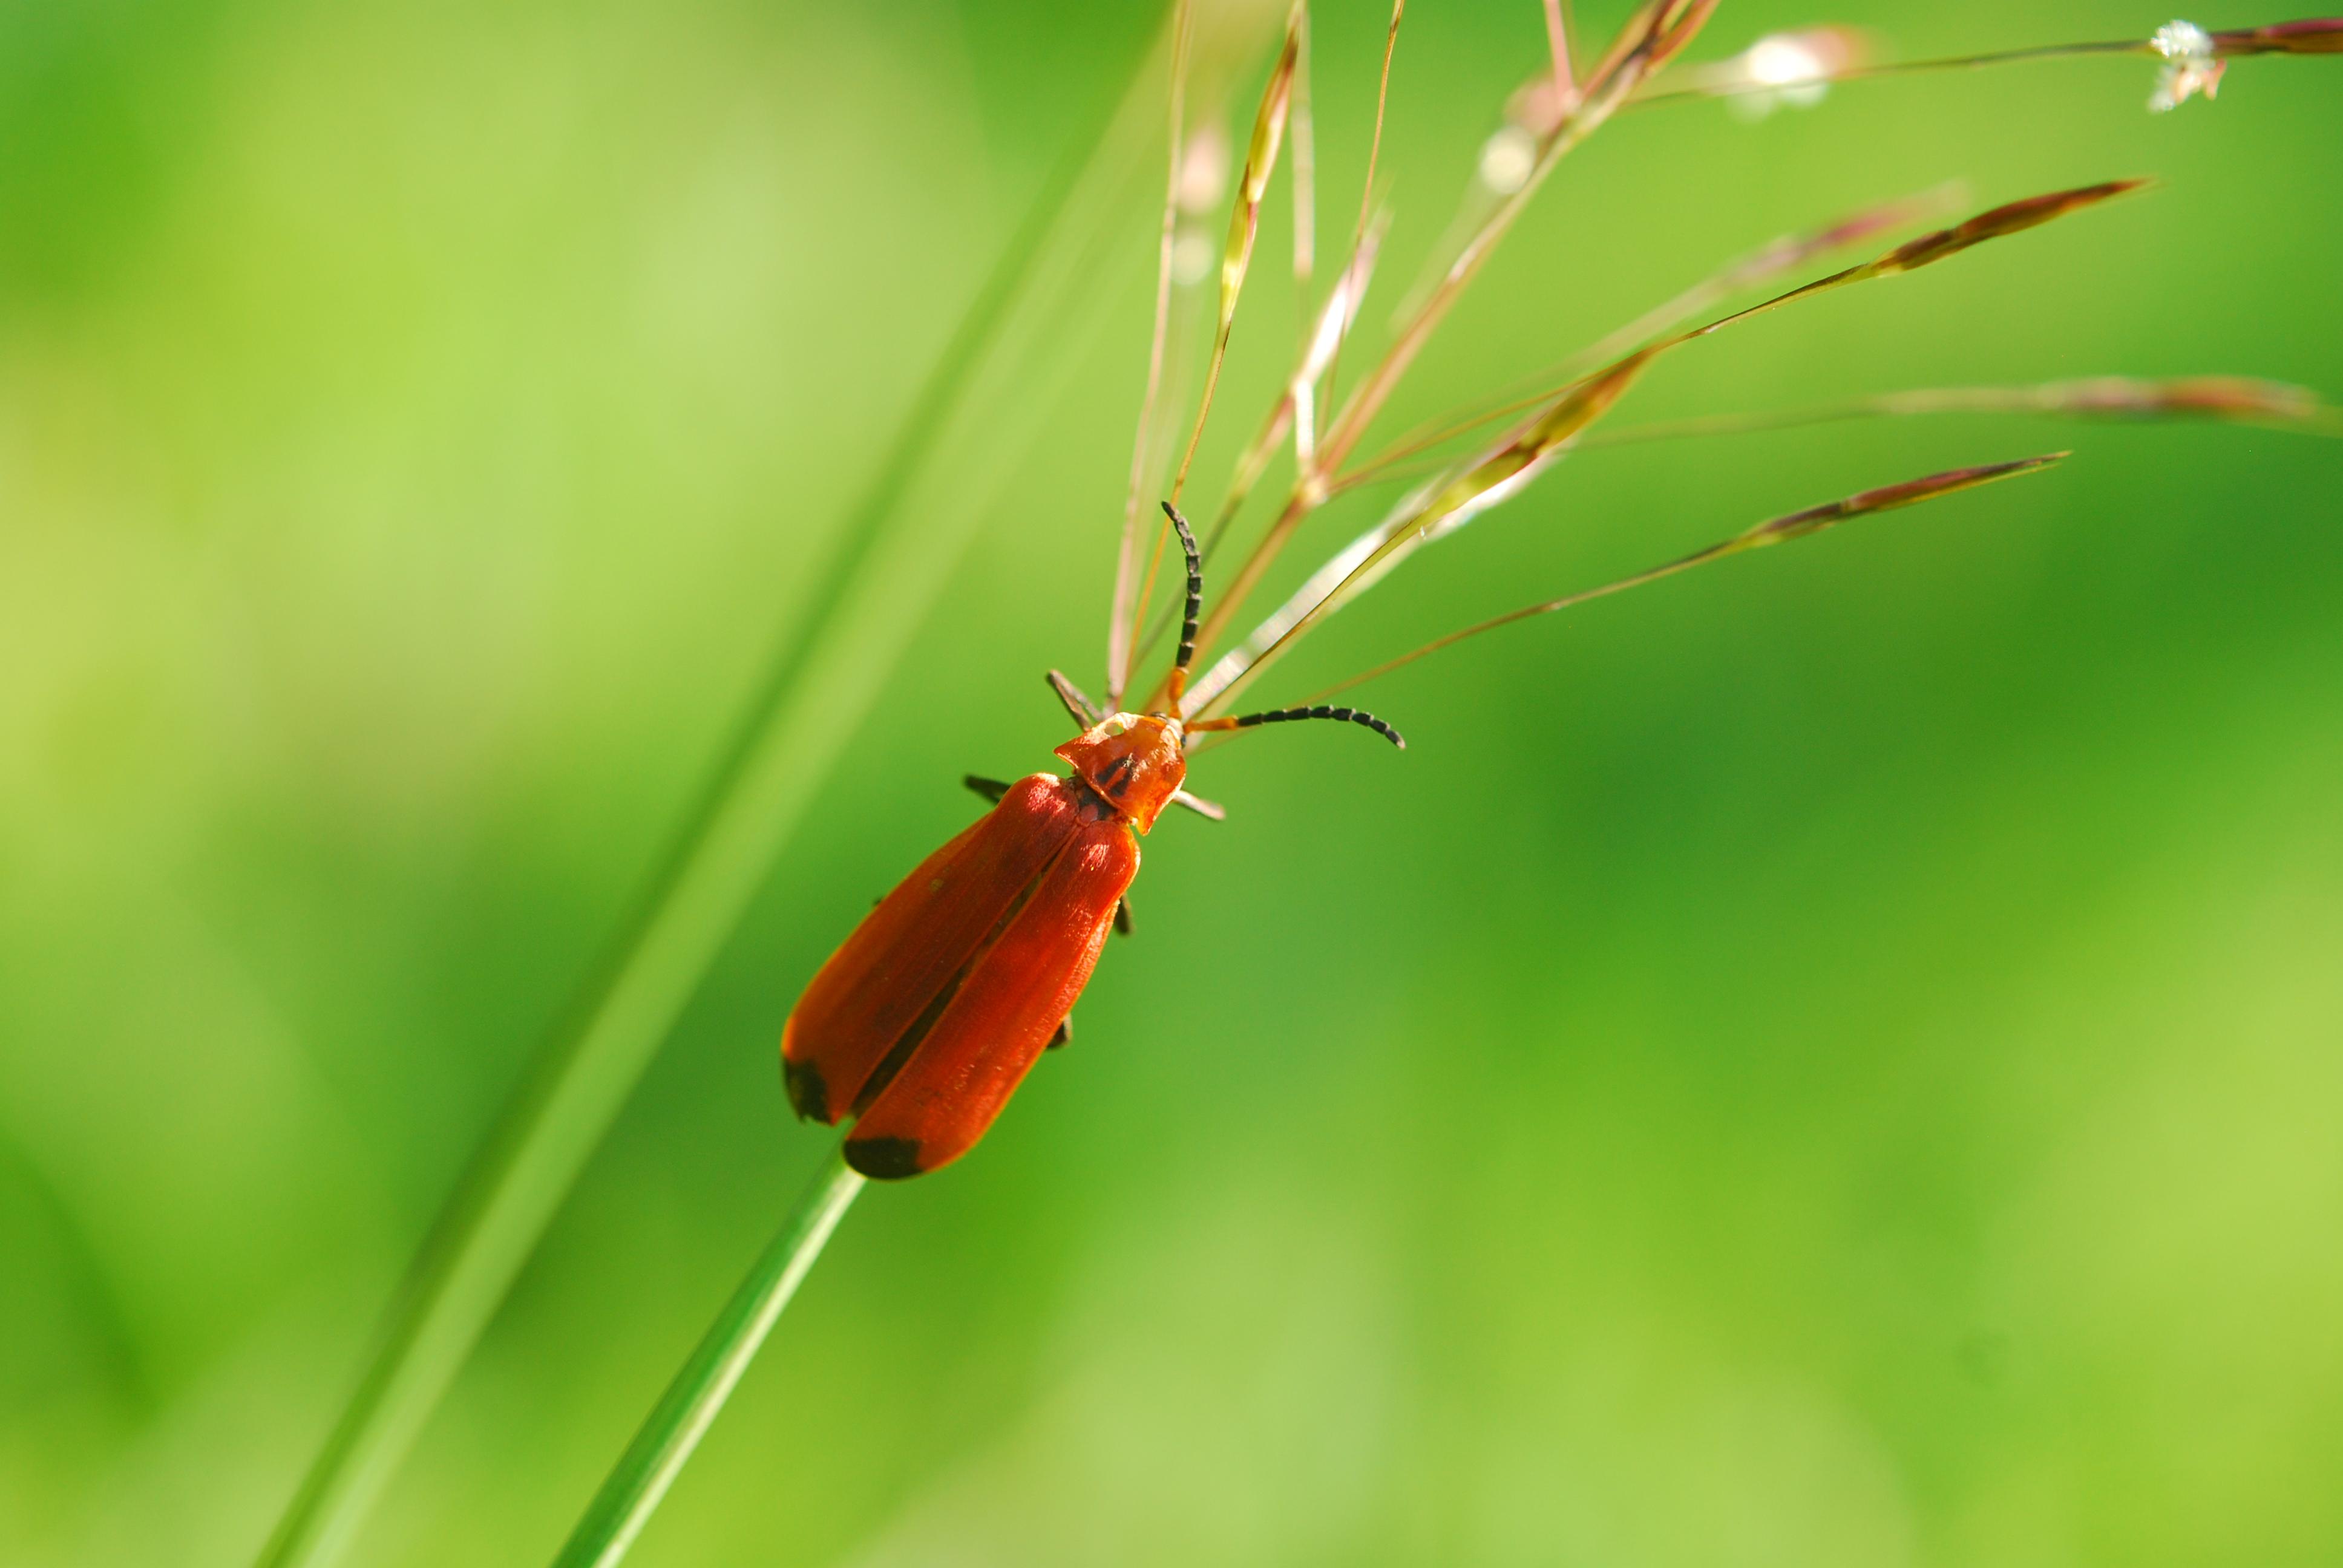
x=808, y=1095
x=884, y=1159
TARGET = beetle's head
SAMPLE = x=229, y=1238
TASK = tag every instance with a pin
x=1136, y=761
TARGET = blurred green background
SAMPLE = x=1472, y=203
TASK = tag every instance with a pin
x=1831, y=1061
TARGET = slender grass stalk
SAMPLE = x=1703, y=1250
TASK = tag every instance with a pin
x=2044, y=53
x=1117, y=632
x=1236, y=261
x=684, y=1414
x=1366, y=200
x=896, y=550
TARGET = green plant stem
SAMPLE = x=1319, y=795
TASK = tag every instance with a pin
x=684, y=1414
x=980, y=408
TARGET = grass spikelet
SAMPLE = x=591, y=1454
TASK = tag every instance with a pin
x=2233, y=399
x=2010, y=217
x=1865, y=503
x=2243, y=399
x=1774, y=531
x=1994, y=223
x=2314, y=35
x=1245, y=220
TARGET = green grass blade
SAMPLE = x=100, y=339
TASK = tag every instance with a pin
x=982, y=405
x=684, y=1414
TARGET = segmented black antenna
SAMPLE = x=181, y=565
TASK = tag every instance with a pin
x=1179, y=662
x=1339, y=715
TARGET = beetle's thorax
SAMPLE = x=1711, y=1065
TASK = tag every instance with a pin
x=1136, y=761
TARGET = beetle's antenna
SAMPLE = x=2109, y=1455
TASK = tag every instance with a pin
x=1178, y=684
x=1287, y=715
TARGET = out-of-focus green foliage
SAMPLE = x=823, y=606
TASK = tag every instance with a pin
x=1833, y=1060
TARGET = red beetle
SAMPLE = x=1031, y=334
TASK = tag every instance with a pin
x=927, y=1018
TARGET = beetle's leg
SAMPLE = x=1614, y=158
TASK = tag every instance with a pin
x=1084, y=712
x=1065, y=1031
x=991, y=789
x=1199, y=806
x=1122, y=916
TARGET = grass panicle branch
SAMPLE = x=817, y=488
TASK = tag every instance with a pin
x=671, y=1431
x=1445, y=505
x=2313, y=35
x=1774, y=531
x=1754, y=270
x=1656, y=34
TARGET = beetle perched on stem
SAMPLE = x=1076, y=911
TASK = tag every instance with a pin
x=923, y=1023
